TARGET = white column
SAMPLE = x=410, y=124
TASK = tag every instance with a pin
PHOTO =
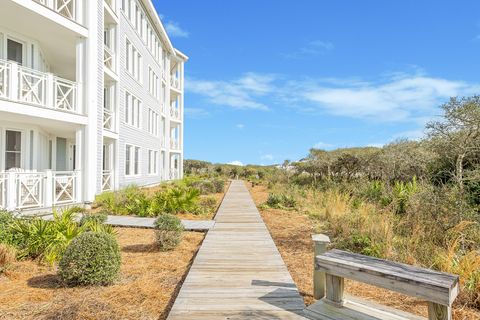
x=11, y=202
x=79, y=164
x=80, y=72
x=182, y=118
x=49, y=187
x=92, y=102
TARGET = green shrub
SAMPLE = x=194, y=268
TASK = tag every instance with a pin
x=281, y=201
x=219, y=185
x=168, y=231
x=7, y=235
x=175, y=200
x=100, y=218
x=91, y=259
x=204, y=186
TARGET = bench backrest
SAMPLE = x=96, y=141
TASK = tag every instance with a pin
x=433, y=286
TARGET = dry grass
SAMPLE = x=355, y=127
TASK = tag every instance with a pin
x=149, y=283
x=292, y=231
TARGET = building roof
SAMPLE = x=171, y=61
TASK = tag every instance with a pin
x=161, y=29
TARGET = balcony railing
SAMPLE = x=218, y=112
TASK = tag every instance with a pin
x=108, y=120
x=174, y=112
x=175, y=82
x=174, y=174
x=174, y=144
x=107, y=180
x=108, y=58
x=27, y=190
x=37, y=88
x=66, y=8
x=111, y=5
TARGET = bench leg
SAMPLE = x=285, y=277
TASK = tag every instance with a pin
x=334, y=290
x=439, y=312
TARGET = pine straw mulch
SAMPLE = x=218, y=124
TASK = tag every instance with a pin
x=291, y=232
x=150, y=281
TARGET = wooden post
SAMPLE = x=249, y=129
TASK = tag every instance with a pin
x=321, y=241
x=334, y=288
x=439, y=312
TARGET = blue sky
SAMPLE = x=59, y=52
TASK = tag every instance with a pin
x=267, y=80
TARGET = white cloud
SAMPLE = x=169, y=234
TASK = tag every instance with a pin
x=376, y=145
x=398, y=97
x=196, y=113
x=410, y=134
x=242, y=93
x=236, y=163
x=174, y=30
x=268, y=157
x=240, y=126
x=312, y=49
x=322, y=145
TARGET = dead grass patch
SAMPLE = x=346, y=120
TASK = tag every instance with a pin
x=150, y=280
x=292, y=232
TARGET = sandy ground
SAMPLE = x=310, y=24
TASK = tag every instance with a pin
x=292, y=232
x=150, y=281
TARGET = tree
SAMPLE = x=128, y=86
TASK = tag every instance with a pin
x=457, y=137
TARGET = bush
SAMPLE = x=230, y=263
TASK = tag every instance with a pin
x=168, y=231
x=91, y=259
x=204, y=186
x=6, y=233
x=281, y=201
x=129, y=201
x=219, y=185
x=174, y=200
x=98, y=218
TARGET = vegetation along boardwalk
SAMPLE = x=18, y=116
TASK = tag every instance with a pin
x=238, y=272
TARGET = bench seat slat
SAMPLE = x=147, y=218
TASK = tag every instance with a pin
x=427, y=284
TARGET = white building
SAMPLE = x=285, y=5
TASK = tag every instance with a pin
x=91, y=99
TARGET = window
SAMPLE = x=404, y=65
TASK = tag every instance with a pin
x=13, y=149
x=152, y=161
x=15, y=51
x=128, y=162
x=153, y=84
x=136, y=161
x=133, y=61
x=133, y=108
x=132, y=160
x=152, y=122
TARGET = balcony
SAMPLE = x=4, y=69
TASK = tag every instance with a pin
x=108, y=120
x=175, y=113
x=66, y=8
x=174, y=144
x=109, y=58
x=107, y=180
x=175, y=83
x=174, y=174
x=33, y=190
x=25, y=85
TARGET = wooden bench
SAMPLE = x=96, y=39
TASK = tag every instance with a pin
x=437, y=288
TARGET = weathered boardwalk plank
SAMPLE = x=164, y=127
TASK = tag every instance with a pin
x=238, y=272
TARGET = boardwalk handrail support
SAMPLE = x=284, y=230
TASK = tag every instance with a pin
x=321, y=242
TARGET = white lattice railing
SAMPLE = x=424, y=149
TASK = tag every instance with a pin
x=32, y=86
x=174, y=112
x=108, y=58
x=4, y=78
x=175, y=82
x=65, y=94
x=174, y=144
x=108, y=119
x=66, y=8
x=37, y=88
x=174, y=174
x=3, y=190
x=64, y=187
x=30, y=190
x=107, y=180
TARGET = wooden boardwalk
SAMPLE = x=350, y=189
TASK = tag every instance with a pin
x=238, y=272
